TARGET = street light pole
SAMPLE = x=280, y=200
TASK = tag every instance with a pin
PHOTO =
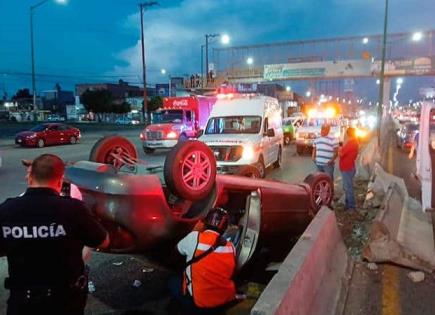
x=382, y=74
x=143, y=7
x=202, y=66
x=207, y=36
x=32, y=51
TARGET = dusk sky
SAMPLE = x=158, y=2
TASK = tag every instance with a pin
x=99, y=40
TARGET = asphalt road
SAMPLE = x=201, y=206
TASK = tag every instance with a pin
x=113, y=275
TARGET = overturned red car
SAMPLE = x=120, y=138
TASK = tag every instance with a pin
x=150, y=207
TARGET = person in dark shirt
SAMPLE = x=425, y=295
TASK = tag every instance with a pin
x=348, y=154
x=43, y=236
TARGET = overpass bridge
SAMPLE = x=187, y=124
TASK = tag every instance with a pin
x=408, y=54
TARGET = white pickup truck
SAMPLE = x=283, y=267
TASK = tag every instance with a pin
x=310, y=130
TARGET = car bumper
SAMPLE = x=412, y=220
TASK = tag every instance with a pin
x=305, y=142
x=25, y=142
x=159, y=144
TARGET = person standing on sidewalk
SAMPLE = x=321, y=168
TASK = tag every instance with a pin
x=348, y=154
x=325, y=151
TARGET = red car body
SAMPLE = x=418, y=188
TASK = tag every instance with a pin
x=48, y=134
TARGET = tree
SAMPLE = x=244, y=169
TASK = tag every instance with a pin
x=22, y=94
x=155, y=103
x=97, y=101
x=122, y=108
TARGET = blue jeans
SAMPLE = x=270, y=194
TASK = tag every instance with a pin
x=348, y=188
x=328, y=169
x=175, y=284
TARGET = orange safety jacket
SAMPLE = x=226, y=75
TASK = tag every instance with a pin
x=210, y=281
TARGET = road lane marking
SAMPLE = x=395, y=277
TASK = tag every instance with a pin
x=390, y=277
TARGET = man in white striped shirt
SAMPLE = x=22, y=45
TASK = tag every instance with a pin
x=325, y=151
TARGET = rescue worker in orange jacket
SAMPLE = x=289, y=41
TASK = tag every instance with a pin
x=207, y=283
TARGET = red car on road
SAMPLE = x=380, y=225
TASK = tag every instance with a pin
x=48, y=134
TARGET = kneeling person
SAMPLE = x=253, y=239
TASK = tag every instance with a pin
x=210, y=264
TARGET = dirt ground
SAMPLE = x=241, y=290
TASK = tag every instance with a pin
x=355, y=229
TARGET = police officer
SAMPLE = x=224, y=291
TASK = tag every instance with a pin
x=207, y=283
x=43, y=236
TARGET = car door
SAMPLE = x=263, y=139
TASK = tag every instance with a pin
x=250, y=224
x=63, y=134
x=52, y=134
x=266, y=143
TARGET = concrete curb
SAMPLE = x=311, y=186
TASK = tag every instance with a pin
x=313, y=278
x=401, y=232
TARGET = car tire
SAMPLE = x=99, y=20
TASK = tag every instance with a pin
x=287, y=139
x=261, y=167
x=278, y=162
x=148, y=150
x=102, y=149
x=73, y=140
x=190, y=170
x=322, y=190
x=300, y=149
x=248, y=171
x=40, y=143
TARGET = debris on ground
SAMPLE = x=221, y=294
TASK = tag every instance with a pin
x=416, y=276
x=355, y=225
x=137, y=283
x=118, y=263
x=372, y=266
x=91, y=287
x=147, y=269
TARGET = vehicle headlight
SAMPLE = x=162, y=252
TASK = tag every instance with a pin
x=337, y=134
x=32, y=136
x=360, y=133
x=297, y=135
x=171, y=135
x=248, y=152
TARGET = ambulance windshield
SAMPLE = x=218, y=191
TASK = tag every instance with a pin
x=234, y=125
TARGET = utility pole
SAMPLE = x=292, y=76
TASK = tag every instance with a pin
x=143, y=7
x=382, y=74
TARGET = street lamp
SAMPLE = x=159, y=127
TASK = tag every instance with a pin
x=288, y=88
x=399, y=81
x=225, y=39
x=417, y=36
x=32, y=49
x=365, y=40
x=250, y=61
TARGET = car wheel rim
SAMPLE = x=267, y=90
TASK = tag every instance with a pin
x=322, y=193
x=118, y=157
x=73, y=140
x=196, y=170
x=40, y=143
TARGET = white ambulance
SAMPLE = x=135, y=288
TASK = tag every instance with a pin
x=245, y=133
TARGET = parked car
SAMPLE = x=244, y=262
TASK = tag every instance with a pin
x=48, y=134
x=126, y=121
x=55, y=117
x=405, y=135
x=147, y=208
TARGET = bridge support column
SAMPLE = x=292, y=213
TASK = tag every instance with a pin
x=386, y=96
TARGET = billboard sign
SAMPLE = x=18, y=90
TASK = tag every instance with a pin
x=317, y=69
x=416, y=66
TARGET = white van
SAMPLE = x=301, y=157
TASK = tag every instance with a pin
x=245, y=131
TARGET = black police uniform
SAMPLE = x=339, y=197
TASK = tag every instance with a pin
x=43, y=235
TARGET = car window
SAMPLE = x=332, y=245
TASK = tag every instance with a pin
x=38, y=128
x=53, y=128
x=63, y=127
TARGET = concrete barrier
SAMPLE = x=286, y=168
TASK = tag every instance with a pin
x=313, y=278
x=401, y=233
x=367, y=159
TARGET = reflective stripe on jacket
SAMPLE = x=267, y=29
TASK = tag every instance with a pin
x=209, y=280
